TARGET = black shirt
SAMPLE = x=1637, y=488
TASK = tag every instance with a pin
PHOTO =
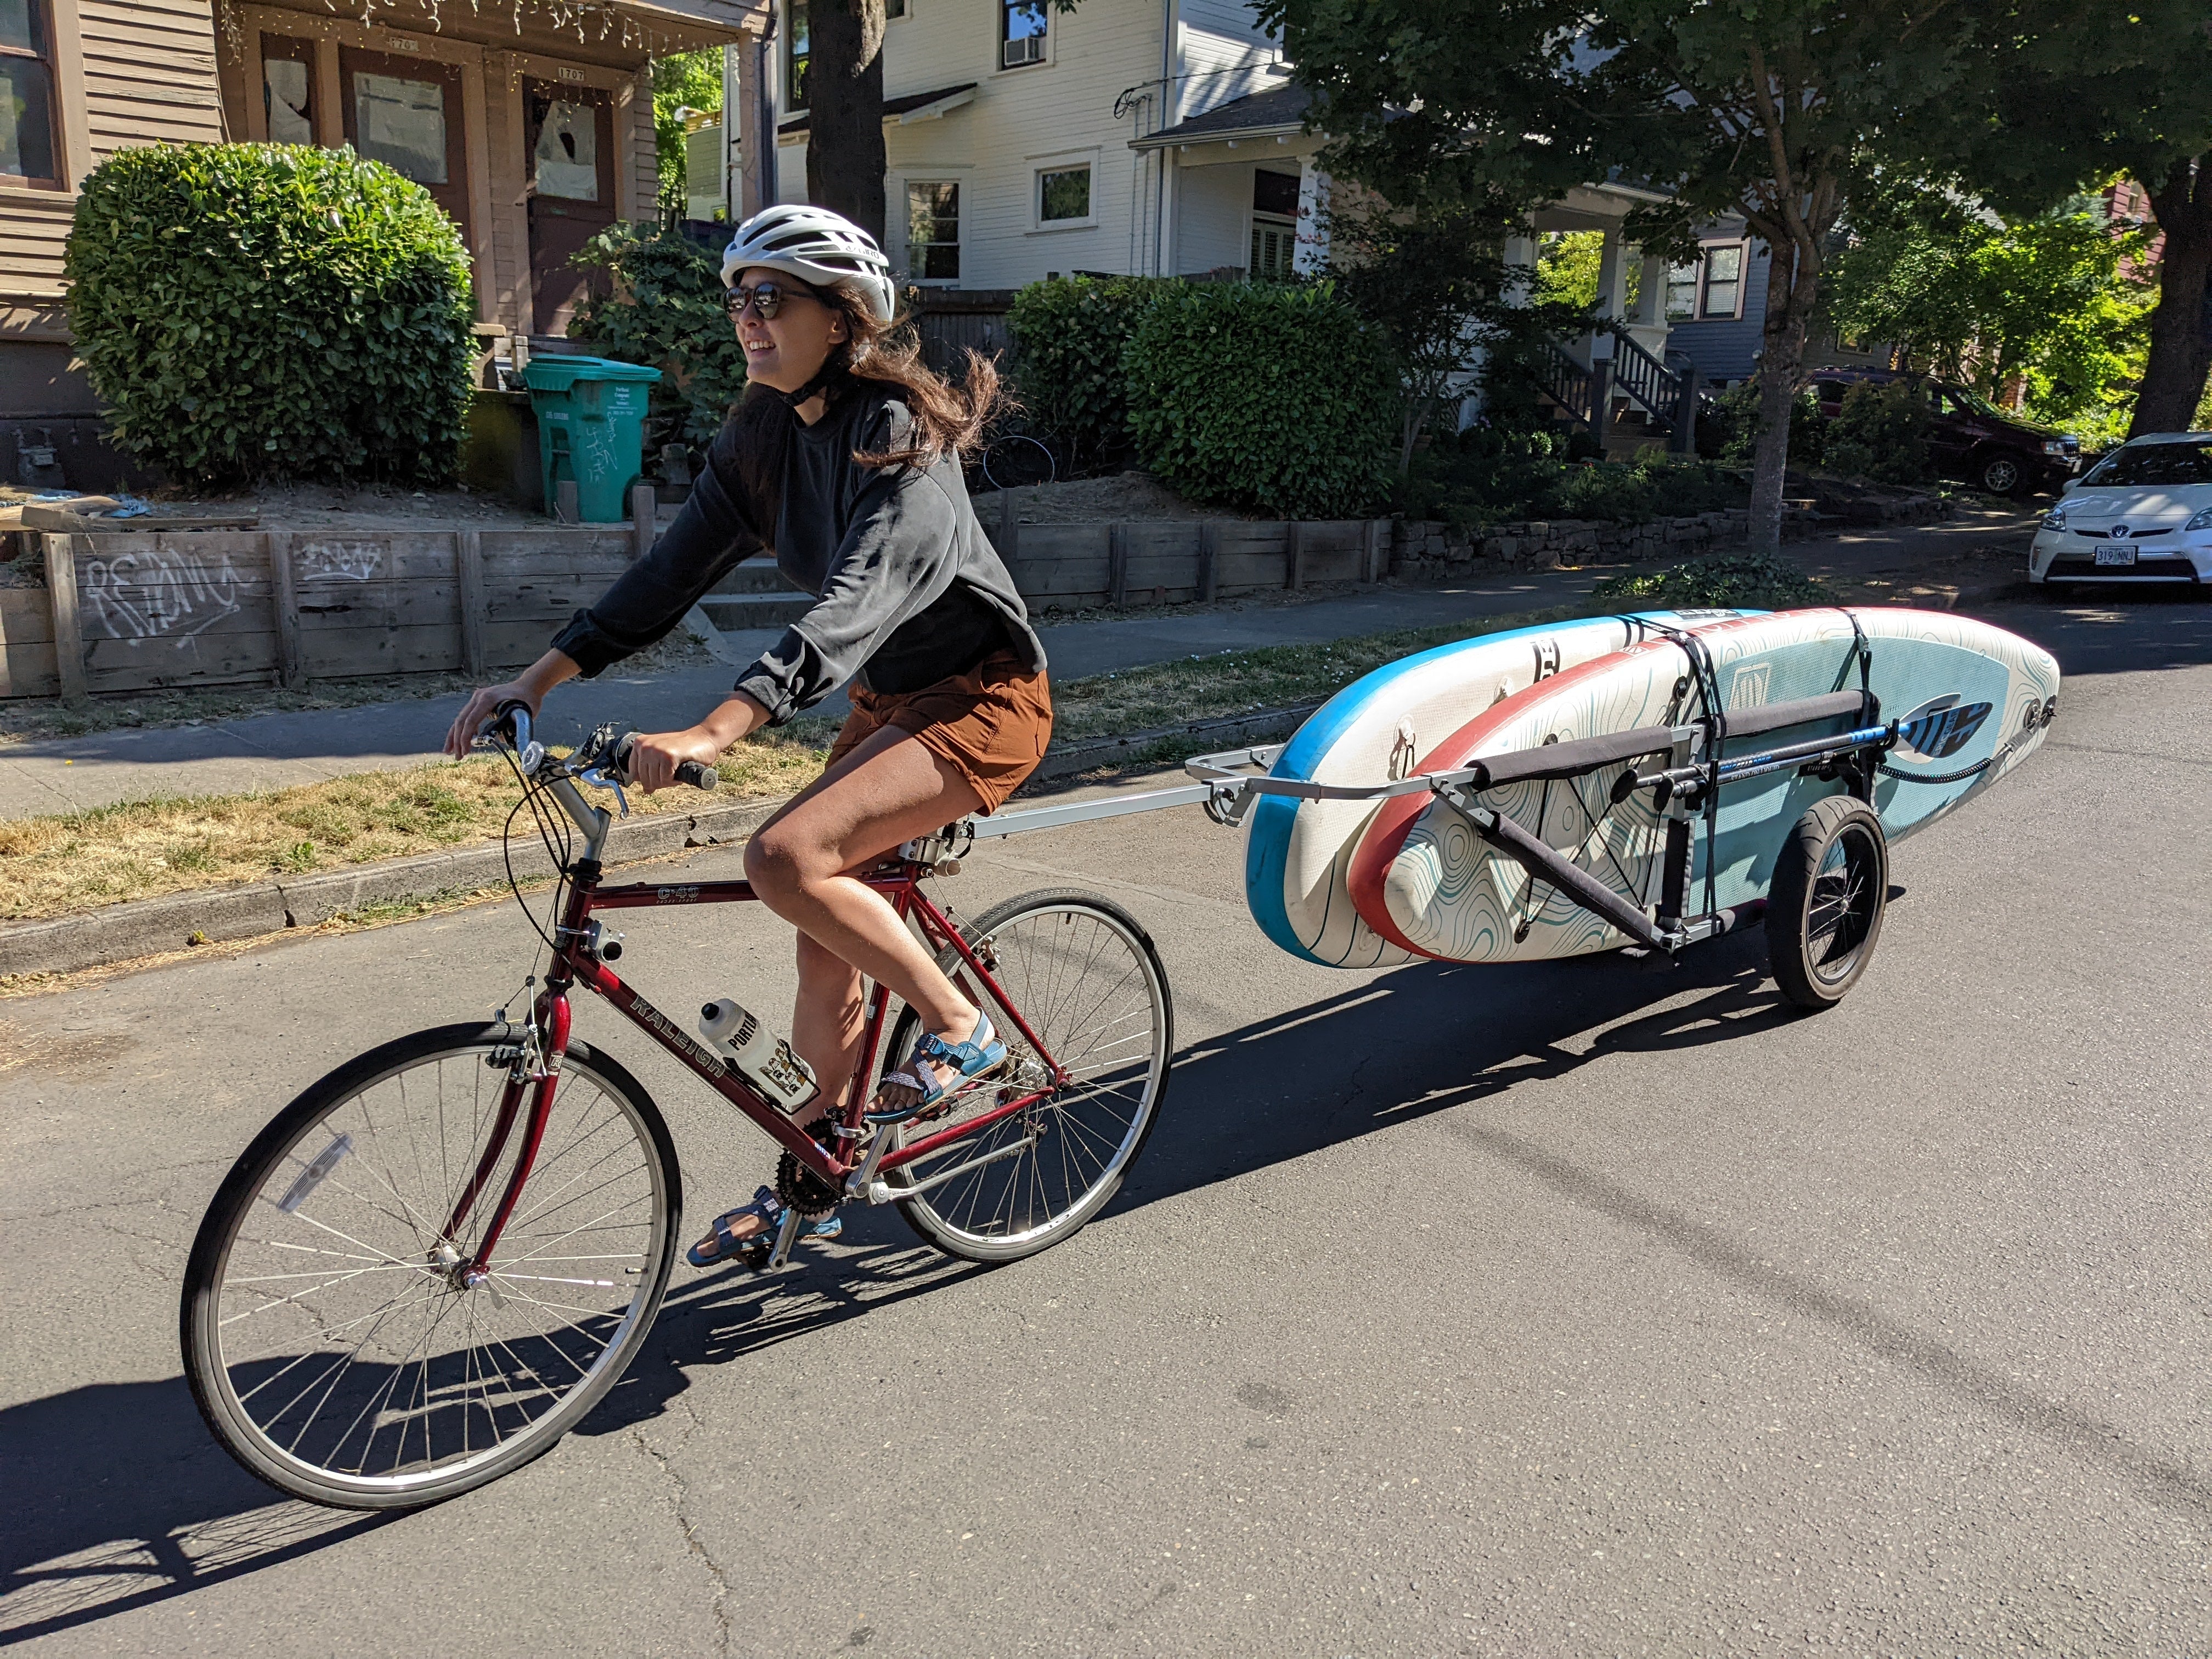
x=911, y=591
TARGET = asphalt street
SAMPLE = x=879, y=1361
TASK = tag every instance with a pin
x=1591, y=1308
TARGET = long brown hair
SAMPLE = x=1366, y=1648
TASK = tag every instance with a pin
x=948, y=415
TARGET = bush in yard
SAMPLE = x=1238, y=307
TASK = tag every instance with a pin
x=1733, y=427
x=252, y=311
x=1881, y=433
x=1264, y=396
x=1069, y=334
x=666, y=310
x=1720, y=580
x=1492, y=475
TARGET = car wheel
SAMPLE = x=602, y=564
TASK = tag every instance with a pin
x=2000, y=475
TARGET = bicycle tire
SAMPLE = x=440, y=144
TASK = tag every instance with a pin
x=1019, y=1187
x=498, y=1388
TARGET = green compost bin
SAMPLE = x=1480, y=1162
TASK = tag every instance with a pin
x=591, y=429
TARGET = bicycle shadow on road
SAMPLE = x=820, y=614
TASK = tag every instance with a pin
x=1427, y=1038
x=117, y=1498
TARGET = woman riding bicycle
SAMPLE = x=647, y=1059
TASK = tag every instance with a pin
x=844, y=458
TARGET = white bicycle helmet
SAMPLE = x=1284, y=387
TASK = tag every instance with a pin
x=817, y=247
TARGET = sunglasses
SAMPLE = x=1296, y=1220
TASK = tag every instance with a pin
x=763, y=299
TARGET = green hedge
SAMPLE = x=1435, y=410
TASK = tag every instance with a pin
x=249, y=311
x=1069, y=334
x=666, y=310
x=1256, y=395
x=1881, y=433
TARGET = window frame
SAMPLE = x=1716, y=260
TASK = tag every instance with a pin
x=1705, y=314
x=57, y=111
x=1005, y=10
x=907, y=185
x=1063, y=161
x=787, y=72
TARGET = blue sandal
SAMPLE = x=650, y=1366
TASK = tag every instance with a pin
x=978, y=1054
x=753, y=1250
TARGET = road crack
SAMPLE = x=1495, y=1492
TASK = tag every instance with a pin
x=679, y=1506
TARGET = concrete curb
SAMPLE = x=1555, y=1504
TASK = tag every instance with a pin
x=122, y=932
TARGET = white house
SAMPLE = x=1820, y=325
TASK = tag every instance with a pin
x=1157, y=137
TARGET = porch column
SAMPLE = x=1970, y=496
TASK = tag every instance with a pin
x=1651, y=292
x=1310, y=252
x=1612, y=278
x=1520, y=269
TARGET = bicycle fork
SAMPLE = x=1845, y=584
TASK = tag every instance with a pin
x=550, y=1017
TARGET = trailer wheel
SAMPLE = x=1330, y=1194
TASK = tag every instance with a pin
x=1824, y=908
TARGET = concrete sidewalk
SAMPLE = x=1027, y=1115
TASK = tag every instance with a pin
x=273, y=751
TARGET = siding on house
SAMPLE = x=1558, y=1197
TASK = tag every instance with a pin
x=1726, y=349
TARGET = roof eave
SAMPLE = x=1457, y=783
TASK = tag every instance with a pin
x=1169, y=140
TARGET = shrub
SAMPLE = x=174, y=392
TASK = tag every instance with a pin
x=1879, y=434
x=1264, y=396
x=666, y=310
x=1069, y=334
x=249, y=311
x=1733, y=427
x=1722, y=580
x=1493, y=475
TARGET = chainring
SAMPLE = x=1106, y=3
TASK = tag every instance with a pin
x=799, y=1186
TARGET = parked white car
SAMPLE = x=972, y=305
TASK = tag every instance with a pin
x=2142, y=514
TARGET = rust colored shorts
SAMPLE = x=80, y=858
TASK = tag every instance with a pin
x=990, y=724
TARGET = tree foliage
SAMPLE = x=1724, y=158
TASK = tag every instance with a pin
x=2055, y=301
x=1772, y=111
x=683, y=80
x=251, y=311
x=1432, y=279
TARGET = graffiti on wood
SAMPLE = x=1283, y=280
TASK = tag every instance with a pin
x=159, y=595
x=339, y=561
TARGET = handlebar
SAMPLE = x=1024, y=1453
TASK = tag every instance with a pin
x=510, y=722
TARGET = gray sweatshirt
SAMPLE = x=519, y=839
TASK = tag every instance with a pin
x=910, y=590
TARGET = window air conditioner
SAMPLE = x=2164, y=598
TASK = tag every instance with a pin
x=1028, y=50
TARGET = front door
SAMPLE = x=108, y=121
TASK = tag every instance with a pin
x=406, y=112
x=570, y=132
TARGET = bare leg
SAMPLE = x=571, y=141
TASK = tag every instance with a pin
x=887, y=792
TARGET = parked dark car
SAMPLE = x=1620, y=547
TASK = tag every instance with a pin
x=1969, y=437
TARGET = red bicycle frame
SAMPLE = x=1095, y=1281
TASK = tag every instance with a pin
x=575, y=962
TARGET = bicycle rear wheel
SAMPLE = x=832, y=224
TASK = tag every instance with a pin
x=329, y=1339
x=1085, y=975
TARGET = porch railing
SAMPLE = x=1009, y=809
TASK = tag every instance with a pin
x=1667, y=394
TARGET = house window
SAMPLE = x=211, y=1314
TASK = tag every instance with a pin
x=1682, y=292
x=402, y=124
x=1274, y=225
x=1064, y=195
x=1021, y=32
x=567, y=161
x=1724, y=281
x=27, y=147
x=796, y=41
x=894, y=9
x=933, y=232
x=287, y=90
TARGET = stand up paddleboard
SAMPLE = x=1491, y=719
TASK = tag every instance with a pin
x=1300, y=851
x=1971, y=701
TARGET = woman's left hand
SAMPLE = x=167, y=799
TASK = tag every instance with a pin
x=654, y=756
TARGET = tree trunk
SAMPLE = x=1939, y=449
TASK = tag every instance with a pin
x=2180, y=346
x=845, y=158
x=1791, y=292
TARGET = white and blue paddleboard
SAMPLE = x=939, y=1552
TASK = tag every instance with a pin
x=1379, y=727
x=1973, y=700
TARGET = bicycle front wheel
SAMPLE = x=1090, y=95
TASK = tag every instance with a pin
x=1084, y=973
x=330, y=1335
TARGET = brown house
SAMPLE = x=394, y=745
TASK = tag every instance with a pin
x=530, y=121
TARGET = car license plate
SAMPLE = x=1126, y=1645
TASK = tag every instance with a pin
x=2121, y=555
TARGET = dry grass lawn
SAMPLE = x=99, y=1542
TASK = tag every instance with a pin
x=72, y=861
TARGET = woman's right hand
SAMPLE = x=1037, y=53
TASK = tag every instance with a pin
x=481, y=707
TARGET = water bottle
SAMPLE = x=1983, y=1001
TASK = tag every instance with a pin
x=757, y=1055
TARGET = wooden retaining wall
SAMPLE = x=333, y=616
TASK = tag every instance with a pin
x=132, y=611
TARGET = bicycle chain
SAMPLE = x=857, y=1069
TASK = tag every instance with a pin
x=799, y=1186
